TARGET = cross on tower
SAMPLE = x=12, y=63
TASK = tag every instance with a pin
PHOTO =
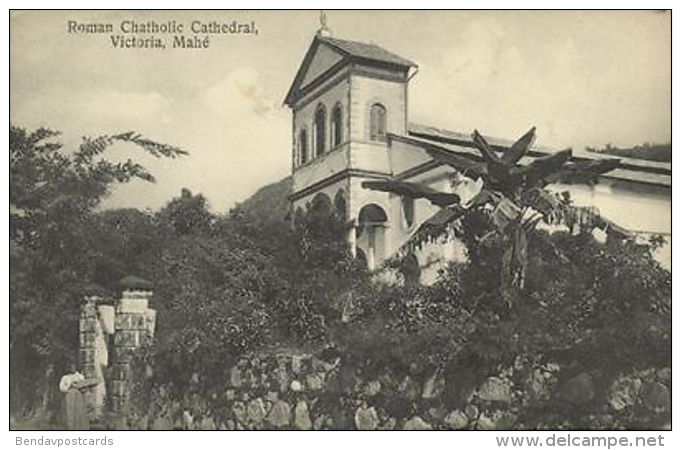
x=324, y=30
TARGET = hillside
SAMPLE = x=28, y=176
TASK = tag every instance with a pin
x=650, y=152
x=269, y=203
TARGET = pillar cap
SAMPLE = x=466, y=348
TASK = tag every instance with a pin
x=133, y=283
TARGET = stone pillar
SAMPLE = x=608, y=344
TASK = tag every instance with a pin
x=352, y=238
x=371, y=247
x=93, y=354
x=87, y=333
x=134, y=328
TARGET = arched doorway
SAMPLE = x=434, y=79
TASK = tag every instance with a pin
x=370, y=232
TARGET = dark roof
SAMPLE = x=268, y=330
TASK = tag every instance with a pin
x=366, y=51
x=133, y=282
x=630, y=169
x=350, y=50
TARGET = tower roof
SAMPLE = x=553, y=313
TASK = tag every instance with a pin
x=367, y=51
x=347, y=52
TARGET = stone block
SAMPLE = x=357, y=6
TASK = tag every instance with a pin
x=456, y=420
x=495, y=389
x=124, y=354
x=496, y=420
x=87, y=339
x=256, y=411
x=118, y=388
x=417, y=424
x=302, y=416
x=137, y=321
x=433, y=387
x=127, y=338
x=133, y=305
x=107, y=316
x=87, y=324
x=320, y=423
x=280, y=415
x=86, y=355
x=239, y=411
x=624, y=393
x=366, y=419
x=472, y=412
x=315, y=381
x=88, y=311
x=136, y=294
x=123, y=321
x=122, y=371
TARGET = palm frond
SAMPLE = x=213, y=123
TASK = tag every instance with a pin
x=583, y=171
x=484, y=148
x=519, y=147
x=413, y=190
x=464, y=165
x=436, y=226
x=541, y=168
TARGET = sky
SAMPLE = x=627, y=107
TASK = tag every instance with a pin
x=582, y=78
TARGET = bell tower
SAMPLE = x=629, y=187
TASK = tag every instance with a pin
x=346, y=98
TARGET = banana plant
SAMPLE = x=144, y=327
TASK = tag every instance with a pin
x=512, y=193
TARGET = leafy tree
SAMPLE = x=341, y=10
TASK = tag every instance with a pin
x=187, y=214
x=53, y=242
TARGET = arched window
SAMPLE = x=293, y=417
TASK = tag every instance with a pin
x=302, y=146
x=378, y=121
x=321, y=203
x=320, y=130
x=336, y=126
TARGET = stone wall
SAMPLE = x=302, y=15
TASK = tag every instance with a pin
x=306, y=392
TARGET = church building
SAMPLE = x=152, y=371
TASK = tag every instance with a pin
x=351, y=124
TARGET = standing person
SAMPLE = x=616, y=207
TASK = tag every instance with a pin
x=75, y=415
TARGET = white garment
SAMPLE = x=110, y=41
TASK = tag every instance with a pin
x=67, y=380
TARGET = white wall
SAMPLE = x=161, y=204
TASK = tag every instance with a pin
x=364, y=92
x=323, y=59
